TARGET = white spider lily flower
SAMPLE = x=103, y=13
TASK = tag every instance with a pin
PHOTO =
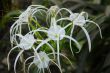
x=16, y=28
x=77, y=20
x=80, y=20
x=54, y=33
x=41, y=60
x=44, y=58
x=26, y=42
x=30, y=11
x=67, y=19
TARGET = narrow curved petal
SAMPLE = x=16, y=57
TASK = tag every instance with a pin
x=13, y=26
x=36, y=54
x=78, y=45
x=17, y=60
x=38, y=10
x=42, y=43
x=67, y=25
x=39, y=71
x=13, y=31
x=41, y=62
x=45, y=31
x=63, y=19
x=51, y=49
x=38, y=6
x=67, y=59
x=19, y=35
x=57, y=66
x=39, y=30
x=69, y=11
x=88, y=37
x=9, y=55
x=70, y=39
x=64, y=57
x=30, y=66
x=48, y=69
x=97, y=26
x=82, y=13
x=26, y=61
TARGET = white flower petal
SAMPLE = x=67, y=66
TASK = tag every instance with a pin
x=51, y=49
x=73, y=16
x=88, y=37
x=53, y=32
x=69, y=11
x=78, y=45
x=57, y=66
x=26, y=61
x=17, y=60
x=97, y=26
x=70, y=39
x=44, y=60
x=27, y=41
x=30, y=66
x=77, y=19
x=42, y=43
x=9, y=55
x=64, y=57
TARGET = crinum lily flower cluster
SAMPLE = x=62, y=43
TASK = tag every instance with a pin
x=44, y=40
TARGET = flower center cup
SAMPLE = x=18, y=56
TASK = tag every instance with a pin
x=44, y=62
x=56, y=33
x=77, y=19
x=27, y=41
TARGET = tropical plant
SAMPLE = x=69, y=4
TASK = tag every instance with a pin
x=47, y=30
